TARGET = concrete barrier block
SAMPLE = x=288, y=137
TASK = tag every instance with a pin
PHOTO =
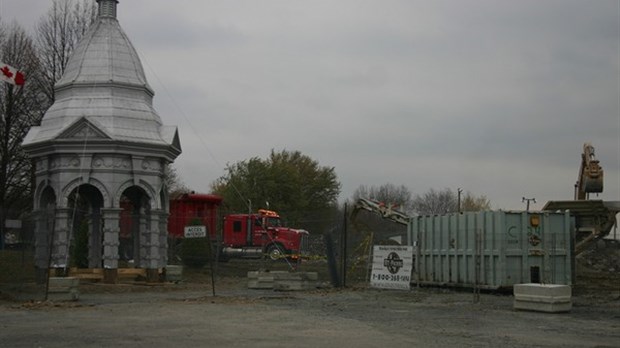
x=282, y=280
x=174, y=273
x=64, y=282
x=550, y=298
x=294, y=285
x=72, y=295
x=254, y=284
x=63, y=289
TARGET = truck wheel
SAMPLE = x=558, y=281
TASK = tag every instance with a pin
x=274, y=252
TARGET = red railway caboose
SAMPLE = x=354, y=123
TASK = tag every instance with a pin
x=191, y=206
x=238, y=235
x=184, y=209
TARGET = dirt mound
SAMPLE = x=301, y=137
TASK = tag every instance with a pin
x=603, y=256
x=597, y=272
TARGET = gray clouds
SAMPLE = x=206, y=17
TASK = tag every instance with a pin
x=495, y=97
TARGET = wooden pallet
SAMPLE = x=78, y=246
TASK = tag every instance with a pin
x=97, y=273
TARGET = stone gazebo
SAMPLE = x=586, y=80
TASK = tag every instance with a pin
x=100, y=155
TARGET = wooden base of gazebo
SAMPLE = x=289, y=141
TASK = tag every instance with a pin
x=113, y=276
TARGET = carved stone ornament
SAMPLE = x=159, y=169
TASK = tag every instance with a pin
x=86, y=132
x=65, y=162
x=111, y=162
x=41, y=164
x=151, y=164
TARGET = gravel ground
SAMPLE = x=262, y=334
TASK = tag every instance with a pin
x=188, y=315
x=351, y=317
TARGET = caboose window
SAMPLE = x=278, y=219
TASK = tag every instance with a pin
x=236, y=226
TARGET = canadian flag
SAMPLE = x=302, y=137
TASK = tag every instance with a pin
x=11, y=75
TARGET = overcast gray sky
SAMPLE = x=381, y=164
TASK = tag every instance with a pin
x=495, y=97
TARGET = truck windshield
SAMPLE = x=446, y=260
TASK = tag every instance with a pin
x=273, y=222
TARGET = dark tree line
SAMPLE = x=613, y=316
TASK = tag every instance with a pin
x=42, y=58
x=19, y=110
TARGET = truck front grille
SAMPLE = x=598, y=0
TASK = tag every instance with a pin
x=304, y=244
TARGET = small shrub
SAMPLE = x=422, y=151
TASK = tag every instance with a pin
x=79, y=247
x=195, y=252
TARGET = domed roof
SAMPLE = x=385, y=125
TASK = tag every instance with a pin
x=104, y=55
x=104, y=88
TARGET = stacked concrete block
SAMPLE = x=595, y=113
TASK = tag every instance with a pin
x=174, y=273
x=260, y=280
x=63, y=289
x=287, y=281
x=282, y=280
x=549, y=298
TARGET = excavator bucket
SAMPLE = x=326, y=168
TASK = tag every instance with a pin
x=593, y=178
x=593, y=185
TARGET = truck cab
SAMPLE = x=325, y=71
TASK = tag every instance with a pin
x=255, y=235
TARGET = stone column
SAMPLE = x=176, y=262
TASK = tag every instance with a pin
x=43, y=226
x=142, y=238
x=111, y=231
x=152, y=247
x=60, y=239
x=163, y=237
x=135, y=238
x=94, y=239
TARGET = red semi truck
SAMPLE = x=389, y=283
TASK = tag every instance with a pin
x=241, y=235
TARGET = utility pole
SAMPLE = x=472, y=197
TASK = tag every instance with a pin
x=527, y=201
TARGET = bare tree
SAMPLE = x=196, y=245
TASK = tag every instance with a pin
x=173, y=181
x=435, y=202
x=58, y=33
x=445, y=201
x=470, y=202
x=20, y=108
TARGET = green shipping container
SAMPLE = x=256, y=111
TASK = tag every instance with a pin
x=492, y=249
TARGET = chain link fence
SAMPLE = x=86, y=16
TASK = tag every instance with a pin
x=18, y=277
x=338, y=250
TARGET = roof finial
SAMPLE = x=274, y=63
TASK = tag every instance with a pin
x=107, y=8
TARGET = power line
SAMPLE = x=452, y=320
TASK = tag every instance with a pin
x=194, y=129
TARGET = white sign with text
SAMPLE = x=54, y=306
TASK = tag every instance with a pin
x=195, y=231
x=391, y=267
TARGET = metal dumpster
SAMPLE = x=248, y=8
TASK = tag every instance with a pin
x=493, y=249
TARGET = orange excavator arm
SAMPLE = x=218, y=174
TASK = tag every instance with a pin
x=590, y=179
